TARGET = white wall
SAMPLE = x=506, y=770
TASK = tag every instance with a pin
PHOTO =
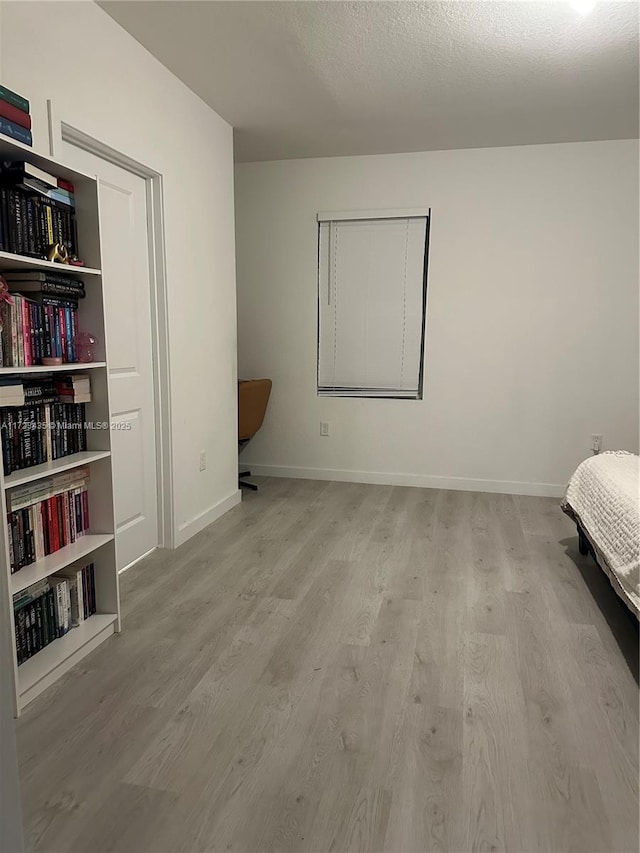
x=532, y=319
x=106, y=84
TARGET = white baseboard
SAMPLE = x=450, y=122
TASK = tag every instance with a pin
x=425, y=481
x=137, y=560
x=195, y=525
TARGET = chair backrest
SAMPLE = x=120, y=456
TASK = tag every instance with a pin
x=253, y=396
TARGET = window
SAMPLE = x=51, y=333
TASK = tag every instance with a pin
x=372, y=274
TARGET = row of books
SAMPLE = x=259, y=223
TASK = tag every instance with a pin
x=49, y=609
x=46, y=388
x=15, y=118
x=38, y=327
x=35, y=212
x=47, y=515
x=34, y=435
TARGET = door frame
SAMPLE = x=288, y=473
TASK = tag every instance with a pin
x=61, y=131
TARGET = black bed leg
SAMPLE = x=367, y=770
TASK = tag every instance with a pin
x=583, y=545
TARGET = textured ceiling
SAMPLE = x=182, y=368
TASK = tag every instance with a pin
x=308, y=79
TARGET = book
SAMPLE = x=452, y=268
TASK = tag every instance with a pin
x=75, y=388
x=48, y=276
x=18, y=169
x=34, y=215
x=74, y=289
x=81, y=592
x=11, y=391
x=60, y=587
x=66, y=185
x=50, y=608
x=36, y=623
x=39, y=324
x=13, y=98
x=42, y=429
x=14, y=131
x=35, y=185
x=41, y=526
x=14, y=114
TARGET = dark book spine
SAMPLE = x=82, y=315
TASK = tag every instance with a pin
x=39, y=625
x=44, y=514
x=68, y=334
x=82, y=414
x=48, y=330
x=63, y=292
x=10, y=543
x=85, y=591
x=92, y=576
x=20, y=537
x=4, y=435
x=24, y=225
x=53, y=614
x=12, y=217
x=4, y=214
x=43, y=236
x=60, y=521
x=18, y=636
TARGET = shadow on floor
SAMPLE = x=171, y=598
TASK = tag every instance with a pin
x=623, y=624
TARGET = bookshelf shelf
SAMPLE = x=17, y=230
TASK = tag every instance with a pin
x=57, y=561
x=9, y=261
x=37, y=472
x=54, y=368
x=94, y=506
x=60, y=655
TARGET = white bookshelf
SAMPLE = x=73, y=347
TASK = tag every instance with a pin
x=98, y=546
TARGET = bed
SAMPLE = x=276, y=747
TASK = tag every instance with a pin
x=603, y=498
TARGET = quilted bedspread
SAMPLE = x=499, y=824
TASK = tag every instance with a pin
x=604, y=496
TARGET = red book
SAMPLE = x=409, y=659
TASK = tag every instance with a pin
x=66, y=185
x=52, y=516
x=15, y=115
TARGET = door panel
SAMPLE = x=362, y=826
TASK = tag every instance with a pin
x=125, y=267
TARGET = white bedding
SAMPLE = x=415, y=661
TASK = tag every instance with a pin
x=604, y=496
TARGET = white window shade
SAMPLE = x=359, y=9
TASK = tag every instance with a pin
x=371, y=306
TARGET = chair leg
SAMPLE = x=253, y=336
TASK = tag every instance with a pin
x=243, y=485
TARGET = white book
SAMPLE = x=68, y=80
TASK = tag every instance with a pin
x=74, y=578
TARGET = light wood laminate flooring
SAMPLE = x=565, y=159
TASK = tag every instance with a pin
x=345, y=667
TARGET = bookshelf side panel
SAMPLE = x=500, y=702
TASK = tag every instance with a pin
x=6, y=599
x=106, y=579
x=88, y=222
x=97, y=413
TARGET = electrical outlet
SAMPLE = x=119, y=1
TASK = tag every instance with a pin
x=203, y=460
x=596, y=442
x=324, y=427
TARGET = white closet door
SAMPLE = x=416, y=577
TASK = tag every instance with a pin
x=125, y=265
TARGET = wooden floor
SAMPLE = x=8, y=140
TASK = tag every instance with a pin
x=340, y=667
